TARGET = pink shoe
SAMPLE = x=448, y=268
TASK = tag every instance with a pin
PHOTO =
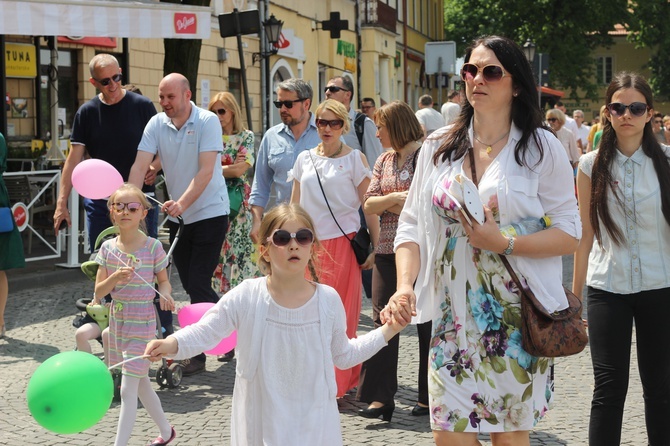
x=158, y=441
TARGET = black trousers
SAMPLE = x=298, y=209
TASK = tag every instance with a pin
x=379, y=377
x=611, y=318
x=196, y=256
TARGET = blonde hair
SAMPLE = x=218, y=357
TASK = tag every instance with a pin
x=141, y=198
x=230, y=104
x=336, y=108
x=556, y=113
x=274, y=219
x=100, y=61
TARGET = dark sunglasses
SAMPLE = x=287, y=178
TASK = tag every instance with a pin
x=108, y=80
x=552, y=119
x=220, y=112
x=334, y=89
x=492, y=73
x=287, y=104
x=636, y=108
x=334, y=124
x=281, y=237
x=132, y=207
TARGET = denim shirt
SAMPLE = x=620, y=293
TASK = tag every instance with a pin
x=276, y=156
x=642, y=262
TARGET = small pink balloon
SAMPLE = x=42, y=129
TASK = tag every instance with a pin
x=96, y=179
x=191, y=314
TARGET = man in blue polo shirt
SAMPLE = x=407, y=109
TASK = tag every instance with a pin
x=280, y=147
x=188, y=141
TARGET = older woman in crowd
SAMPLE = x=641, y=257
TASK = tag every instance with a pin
x=556, y=120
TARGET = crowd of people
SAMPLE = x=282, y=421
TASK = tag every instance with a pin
x=280, y=269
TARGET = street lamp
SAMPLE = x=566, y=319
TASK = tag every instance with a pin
x=529, y=50
x=272, y=28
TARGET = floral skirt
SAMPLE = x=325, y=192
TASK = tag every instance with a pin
x=480, y=379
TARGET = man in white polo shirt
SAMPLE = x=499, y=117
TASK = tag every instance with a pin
x=188, y=141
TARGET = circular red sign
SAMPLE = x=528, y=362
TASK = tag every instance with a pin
x=20, y=212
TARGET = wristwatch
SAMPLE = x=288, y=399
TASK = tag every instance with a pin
x=510, y=246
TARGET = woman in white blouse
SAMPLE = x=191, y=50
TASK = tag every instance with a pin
x=344, y=175
x=480, y=378
x=624, y=201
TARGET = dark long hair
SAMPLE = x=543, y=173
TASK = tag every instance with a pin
x=601, y=175
x=526, y=113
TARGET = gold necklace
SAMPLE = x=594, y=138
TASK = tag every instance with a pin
x=489, y=147
x=333, y=155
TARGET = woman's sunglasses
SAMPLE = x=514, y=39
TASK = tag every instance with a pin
x=132, y=207
x=108, y=80
x=334, y=124
x=492, y=73
x=636, y=108
x=281, y=237
x=220, y=112
x=552, y=119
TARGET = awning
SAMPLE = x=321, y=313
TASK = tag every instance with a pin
x=97, y=18
x=546, y=91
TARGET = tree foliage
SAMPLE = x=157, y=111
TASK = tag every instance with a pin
x=649, y=26
x=565, y=30
x=183, y=55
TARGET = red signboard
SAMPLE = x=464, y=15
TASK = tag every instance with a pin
x=107, y=42
x=185, y=23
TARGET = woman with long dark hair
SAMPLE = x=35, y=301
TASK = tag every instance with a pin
x=480, y=378
x=624, y=201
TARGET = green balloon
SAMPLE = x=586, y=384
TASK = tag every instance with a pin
x=70, y=392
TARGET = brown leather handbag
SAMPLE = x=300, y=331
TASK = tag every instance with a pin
x=545, y=334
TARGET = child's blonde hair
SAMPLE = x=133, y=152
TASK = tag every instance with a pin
x=274, y=219
x=141, y=198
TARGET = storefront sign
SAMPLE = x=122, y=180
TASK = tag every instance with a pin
x=348, y=50
x=21, y=60
x=185, y=23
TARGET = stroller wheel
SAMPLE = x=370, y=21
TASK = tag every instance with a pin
x=116, y=379
x=174, y=375
x=161, y=376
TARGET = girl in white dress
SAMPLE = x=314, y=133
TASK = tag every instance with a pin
x=291, y=335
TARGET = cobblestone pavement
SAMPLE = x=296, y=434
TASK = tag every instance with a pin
x=39, y=322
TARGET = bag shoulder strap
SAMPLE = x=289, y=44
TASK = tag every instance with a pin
x=324, y=195
x=359, y=127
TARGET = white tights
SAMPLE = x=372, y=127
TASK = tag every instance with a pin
x=131, y=389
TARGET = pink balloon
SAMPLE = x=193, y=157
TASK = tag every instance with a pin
x=96, y=179
x=191, y=314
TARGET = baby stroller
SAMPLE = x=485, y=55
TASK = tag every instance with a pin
x=170, y=372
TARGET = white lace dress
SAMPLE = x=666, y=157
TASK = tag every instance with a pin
x=285, y=386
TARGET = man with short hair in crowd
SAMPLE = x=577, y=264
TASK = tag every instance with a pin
x=429, y=118
x=281, y=146
x=368, y=107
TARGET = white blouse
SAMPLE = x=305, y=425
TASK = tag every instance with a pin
x=340, y=178
x=642, y=262
x=522, y=192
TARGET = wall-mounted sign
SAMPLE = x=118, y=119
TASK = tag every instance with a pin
x=21, y=60
x=107, y=42
x=348, y=50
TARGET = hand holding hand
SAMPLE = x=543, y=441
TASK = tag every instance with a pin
x=401, y=306
x=150, y=176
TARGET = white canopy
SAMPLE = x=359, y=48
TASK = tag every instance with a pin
x=99, y=18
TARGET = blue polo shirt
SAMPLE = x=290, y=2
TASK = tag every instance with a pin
x=276, y=156
x=179, y=152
